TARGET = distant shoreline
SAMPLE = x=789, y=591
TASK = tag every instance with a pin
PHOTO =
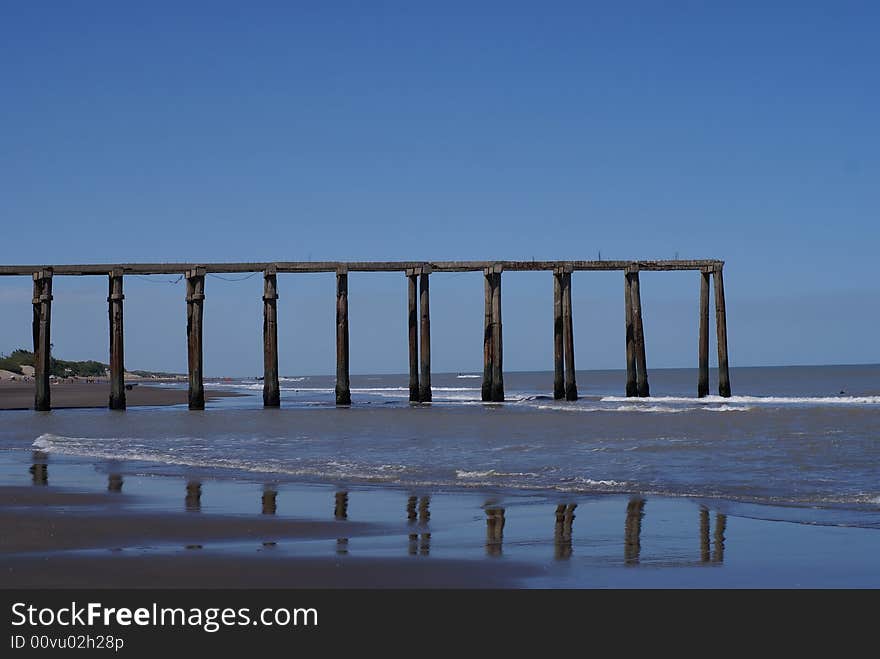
x=19, y=395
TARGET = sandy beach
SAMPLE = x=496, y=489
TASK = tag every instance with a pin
x=20, y=395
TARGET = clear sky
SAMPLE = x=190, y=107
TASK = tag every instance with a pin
x=552, y=130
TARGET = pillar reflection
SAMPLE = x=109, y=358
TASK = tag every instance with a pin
x=39, y=470
x=720, y=528
x=114, y=483
x=269, y=501
x=562, y=531
x=716, y=555
x=340, y=510
x=704, y=534
x=632, y=543
x=494, y=531
x=193, y=501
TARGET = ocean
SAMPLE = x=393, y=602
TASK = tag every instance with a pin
x=805, y=440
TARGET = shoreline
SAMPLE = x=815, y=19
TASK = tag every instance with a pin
x=80, y=395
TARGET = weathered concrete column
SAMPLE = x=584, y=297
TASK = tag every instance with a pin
x=425, y=336
x=195, y=299
x=343, y=387
x=632, y=388
x=493, y=371
x=703, y=376
x=497, y=338
x=413, y=325
x=571, y=392
x=721, y=327
x=488, y=350
x=42, y=334
x=558, y=358
x=117, y=359
x=639, y=335
x=271, y=388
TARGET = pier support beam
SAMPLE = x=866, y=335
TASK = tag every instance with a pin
x=571, y=392
x=632, y=388
x=195, y=299
x=271, y=388
x=343, y=386
x=413, y=325
x=638, y=334
x=493, y=369
x=703, y=376
x=117, y=359
x=721, y=327
x=558, y=354
x=42, y=338
x=425, y=336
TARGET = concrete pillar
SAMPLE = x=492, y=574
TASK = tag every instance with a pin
x=632, y=388
x=493, y=370
x=497, y=338
x=639, y=335
x=195, y=299
x=117, y=359
x=703, y=376
x=271, y=387
x=42, y=334
x=721, y=327
x=343, y=386
x=568, y=336
x=413, y=325
x=558, y=354
x=488, y=349
x=425, y=337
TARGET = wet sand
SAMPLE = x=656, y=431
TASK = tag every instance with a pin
x=67, y=539
x=20, y=395
x=77, y=522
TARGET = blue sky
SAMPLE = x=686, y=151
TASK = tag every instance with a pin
x=294, y=131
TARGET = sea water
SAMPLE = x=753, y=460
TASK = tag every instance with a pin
x=804, y=438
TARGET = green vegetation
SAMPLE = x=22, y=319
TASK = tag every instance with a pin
x=58, y=367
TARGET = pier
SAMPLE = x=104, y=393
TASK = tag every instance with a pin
x=417, y=276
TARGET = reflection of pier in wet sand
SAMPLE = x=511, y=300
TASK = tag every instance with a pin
x=712, y=537
x=494, y=531
x=717, y=553
x=39, y=468
x=193, y=501
x=562, y=530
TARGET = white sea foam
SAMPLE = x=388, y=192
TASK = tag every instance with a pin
x=108, y=449
x=491, y=473
x=750, y=400
x=468, y=376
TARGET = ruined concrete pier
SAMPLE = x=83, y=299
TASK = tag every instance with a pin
x=417, y=275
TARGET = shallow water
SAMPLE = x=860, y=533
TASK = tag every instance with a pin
x=805, y=438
